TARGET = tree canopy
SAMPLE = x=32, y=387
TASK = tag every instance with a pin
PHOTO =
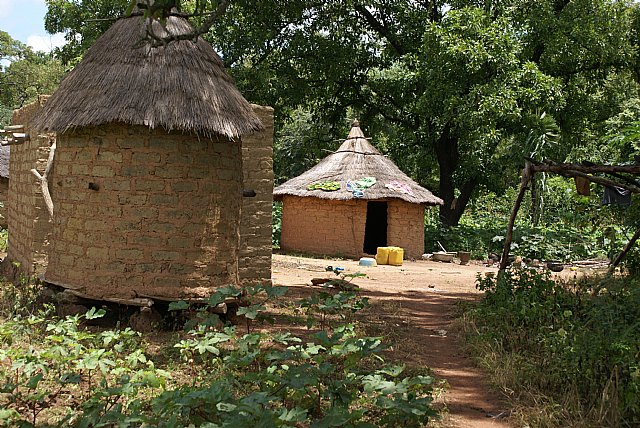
x=453, y=91
x=24, y=74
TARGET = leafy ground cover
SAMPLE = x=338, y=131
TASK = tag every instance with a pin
x=66, y=372
x=567, y=353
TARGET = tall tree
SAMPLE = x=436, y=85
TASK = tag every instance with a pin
x=448, y=86
x=24, y=74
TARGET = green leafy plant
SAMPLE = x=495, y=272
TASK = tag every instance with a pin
x=575, y=345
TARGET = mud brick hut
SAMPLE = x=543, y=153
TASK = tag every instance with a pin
x=352, y=202
x=147, y=177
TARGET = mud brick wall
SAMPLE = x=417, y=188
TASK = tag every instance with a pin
x=27, y=217
x=336, y=228
x=256, y=223
x=145, y=213
x=319, y=226
x=405, y=227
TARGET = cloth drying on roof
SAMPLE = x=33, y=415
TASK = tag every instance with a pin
x=357, y=193
x=614, y=195
x=358, y=187
x=397, y=186
x=327, y=186
x=365, y=183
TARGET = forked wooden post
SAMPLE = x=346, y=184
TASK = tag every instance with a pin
x=624, y=252
x=524, y=184
x=44, y=184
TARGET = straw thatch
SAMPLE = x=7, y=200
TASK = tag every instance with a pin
x=123, y=78
x=355, y=159
x=4, y=161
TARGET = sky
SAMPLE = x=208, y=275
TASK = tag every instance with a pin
x=24, y=21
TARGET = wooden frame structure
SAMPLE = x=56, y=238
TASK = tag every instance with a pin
x=571, y=170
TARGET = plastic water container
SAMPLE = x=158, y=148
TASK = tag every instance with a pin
x=396, y=254
x=382, y=255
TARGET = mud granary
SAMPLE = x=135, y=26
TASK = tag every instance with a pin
x=154, y=148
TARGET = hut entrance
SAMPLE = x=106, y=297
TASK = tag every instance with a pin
x=375, y=231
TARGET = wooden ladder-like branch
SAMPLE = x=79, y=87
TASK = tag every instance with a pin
x=44, y=184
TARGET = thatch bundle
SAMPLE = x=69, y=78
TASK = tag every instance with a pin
x=124, y=78
x=355, y=159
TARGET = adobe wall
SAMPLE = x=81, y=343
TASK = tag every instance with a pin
x=161, y=221
x=254, y=265
x=405, y=227
x=27, y=217
x=336, y=228
x=320, y=226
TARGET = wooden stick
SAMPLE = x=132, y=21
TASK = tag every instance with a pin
x=624, y=251
x=524, y=183
x=44, y=184
x=559, y=169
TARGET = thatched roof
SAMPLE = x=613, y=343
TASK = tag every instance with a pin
x=4, y=161
x=356, y=159
x=124, y=79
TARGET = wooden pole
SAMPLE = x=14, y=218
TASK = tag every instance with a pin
x=524, y=183
x=559, y=169
x=44, y=184
x=624, y=251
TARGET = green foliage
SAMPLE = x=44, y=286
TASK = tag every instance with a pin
x=82, y=22
x=571, y=227
x=455, y=92
x=338, y=297
x=577, y=343
x=57, y=372
x=46, y=362
x=27, y=75
x=20, y=298
x=300, y=144
x=276, y=231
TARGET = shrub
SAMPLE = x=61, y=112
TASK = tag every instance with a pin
x=576, y=346
x=56, y=372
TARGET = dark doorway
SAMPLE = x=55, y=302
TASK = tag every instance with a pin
x=375, y=230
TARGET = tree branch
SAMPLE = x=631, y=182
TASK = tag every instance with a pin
x=379, y=28
x=202, y=29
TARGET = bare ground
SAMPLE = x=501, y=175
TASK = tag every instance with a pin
x=416, y=305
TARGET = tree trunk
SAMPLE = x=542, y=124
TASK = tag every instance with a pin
x=447, y=153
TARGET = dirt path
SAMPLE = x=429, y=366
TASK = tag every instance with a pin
x=416, y=305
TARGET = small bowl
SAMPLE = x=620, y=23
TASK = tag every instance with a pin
x=555, y=266
x=367, y=261
x=442, y=257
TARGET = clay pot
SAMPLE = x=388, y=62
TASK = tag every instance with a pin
x=464, y=257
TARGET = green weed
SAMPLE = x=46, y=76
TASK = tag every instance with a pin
x=578, y=350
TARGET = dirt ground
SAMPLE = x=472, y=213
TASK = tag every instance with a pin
x=417, y=303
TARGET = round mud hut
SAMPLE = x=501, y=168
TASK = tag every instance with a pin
x=352, y=202
x=146, y=178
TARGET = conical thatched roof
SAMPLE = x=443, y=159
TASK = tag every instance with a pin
x=123, y=78
x=354, y=160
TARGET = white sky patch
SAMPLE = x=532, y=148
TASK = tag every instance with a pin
x=6, y=6
x=45, y=43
